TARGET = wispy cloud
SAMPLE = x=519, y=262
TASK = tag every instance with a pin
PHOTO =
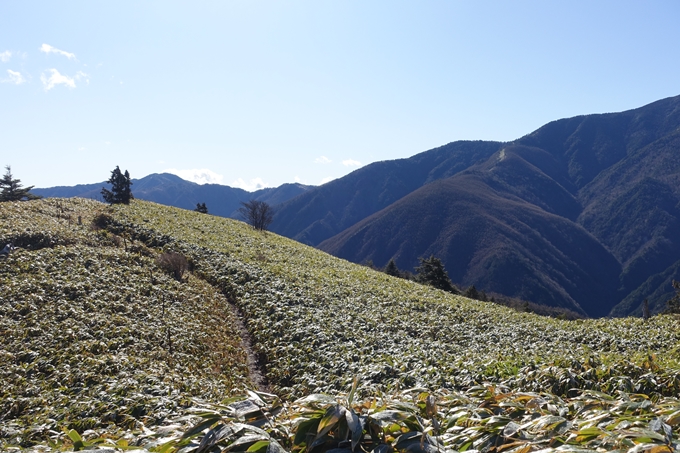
x=322, y=160
x=14, y=77
x=197, y=175
x=80, y=75
x=327, y=179
x=250, y=186
x=49, y=49
x=55, y=78
x=5, y=56
x=351, y=163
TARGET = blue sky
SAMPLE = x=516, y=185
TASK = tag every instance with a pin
x=249, y=93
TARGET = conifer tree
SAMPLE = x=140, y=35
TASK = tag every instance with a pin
x=11, y=190
x=392, y=269
x=120, y=192
x=472, y=293
x=431, y=272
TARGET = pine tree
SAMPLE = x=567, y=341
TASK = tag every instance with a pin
x=472, y=293
x=120, y=192
x=431, y=272
x=392, y=269
x=11, y=190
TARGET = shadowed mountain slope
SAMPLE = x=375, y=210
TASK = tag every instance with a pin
x=326, y=210
x=582, y=213
x=492, y=239
x=171, y=190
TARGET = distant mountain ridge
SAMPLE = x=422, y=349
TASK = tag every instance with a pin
x=583, y=213
x=171, y=190
x=326, y=210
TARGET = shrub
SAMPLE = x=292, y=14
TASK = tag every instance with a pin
x=173, y=263
x=101, y=221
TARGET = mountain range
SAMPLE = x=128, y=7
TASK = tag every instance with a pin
x=171, y=190
x=583, y=213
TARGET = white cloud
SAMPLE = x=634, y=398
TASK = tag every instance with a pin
x=297, y=179
x=327, y=179
x=49, y=49
x=197, y=175
x=5, y=56
x=322, y=160
x=80, y=75
x=252, y=185
x=351, y=163
x=56, y=79
x=13, y=77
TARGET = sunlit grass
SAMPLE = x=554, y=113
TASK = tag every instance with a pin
x=111, y=322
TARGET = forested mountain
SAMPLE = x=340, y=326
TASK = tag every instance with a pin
x=171, y=190
x=329, y=209
x=583, y=213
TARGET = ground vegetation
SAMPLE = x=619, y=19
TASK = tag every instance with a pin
x=354, y=359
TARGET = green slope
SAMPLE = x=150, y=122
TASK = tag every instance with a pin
x=97, y=337
x=316, y=322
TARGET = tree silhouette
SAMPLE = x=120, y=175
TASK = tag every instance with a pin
x=392, y=269
x=431, y=272
x=120, y=192
x=201, y=207
x=673, y=304
x=257, y=213
x=11, y=190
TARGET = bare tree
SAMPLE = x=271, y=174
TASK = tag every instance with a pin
x=257, y=213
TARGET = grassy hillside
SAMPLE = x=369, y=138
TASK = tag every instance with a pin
x=97, y=337
x=89, y=318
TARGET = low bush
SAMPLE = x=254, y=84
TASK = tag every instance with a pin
x=173, y=263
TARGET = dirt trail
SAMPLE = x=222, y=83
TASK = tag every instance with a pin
x=255, y=367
